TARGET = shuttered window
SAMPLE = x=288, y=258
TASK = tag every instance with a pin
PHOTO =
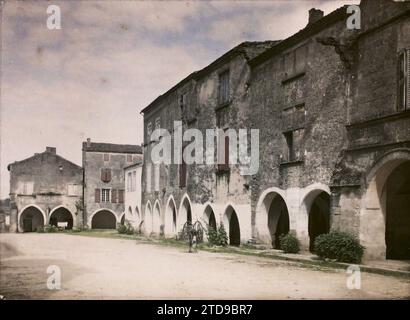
x=97, y=195
x=114, y=196
x=223, y=88
x=403, y=94
x=223, y=164
x=120, y=196
x=105, y=175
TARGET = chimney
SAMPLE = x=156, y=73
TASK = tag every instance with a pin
x=88, y=142
x=315, y=15
x=51, y=150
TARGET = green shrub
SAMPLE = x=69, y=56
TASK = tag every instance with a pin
x=222, y=236
x=217, y=236
x=50, y=228
x=122, y=228
x=212, y=235
x=340, y=246
x=76, y=229
x=289, y=243
x=126, y=228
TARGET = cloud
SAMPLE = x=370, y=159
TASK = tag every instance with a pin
x=110, y=60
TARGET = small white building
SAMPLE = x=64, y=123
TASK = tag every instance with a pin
x=132, y=204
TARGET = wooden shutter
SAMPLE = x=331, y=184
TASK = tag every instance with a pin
x=408, y=78
x=97, y=195
x=182, y=174
x=114, y=196
x=120, y=196
x=225, y=165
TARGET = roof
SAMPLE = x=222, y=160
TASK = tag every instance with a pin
x=111, y=147
x=135, y=164
x=40, y=154
x=249, y=49
x=309, y=30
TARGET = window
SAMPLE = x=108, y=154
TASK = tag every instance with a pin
x=223, y=153
x=403, y=81
x=222, y=115
x=114, y=196
x=27, y=188
x=105, y=175
x=223, y=89
x=129, y=177
x=290, y=154
x=293, y=145
x=120, y=196
x=105, y=195
x=129, y=157
x=134, y=181
x=106, y=157
x=74, y=190
x=182, y=172
x=149, y=131
x=182, y=102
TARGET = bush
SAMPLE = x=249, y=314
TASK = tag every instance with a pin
x=217, y=236
x=122, y=228
x=289, y=243
x=212, y=235
x=50, y=228
x=76, y=229
x=40, y=229
x=126, y=228
x=222, y=236
x=341, y=246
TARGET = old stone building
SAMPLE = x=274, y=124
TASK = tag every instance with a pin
x=332, y=108
x=44, y=189
x=104, y=182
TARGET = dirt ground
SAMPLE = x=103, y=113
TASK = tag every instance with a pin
x=101, y=268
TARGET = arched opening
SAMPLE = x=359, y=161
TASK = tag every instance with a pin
x=232, y=224
x=185, y=213
x=156, y=221
x=319, y=217
x=398, y=213
x=171, y=217
x=122, y=221
x=31, y=219
x=103, y=219
x=61, y=216
x=209, y=217
x=129, y=211
x=278, y=218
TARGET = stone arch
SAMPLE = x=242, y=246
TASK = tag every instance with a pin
x=103, y=219
x=62, y=214
x=122, y=218
x=232, y=227
x=170, y=218
x=209, y=216
x=268, y=216
x=30, y=218
x=185, y=212
x=375, y=211
x=137, y=213
x=148, y=218
x=156, y=219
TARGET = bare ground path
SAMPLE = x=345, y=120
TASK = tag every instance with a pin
x=101, y=268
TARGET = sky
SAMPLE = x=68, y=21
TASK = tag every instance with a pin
x=110, y=59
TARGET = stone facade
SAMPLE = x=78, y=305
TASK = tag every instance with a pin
x=132, y=204
x=334, y=137
x=44, y=189
x=104, y=182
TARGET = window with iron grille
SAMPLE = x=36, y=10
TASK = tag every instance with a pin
x=223, y=89
x=105, y=195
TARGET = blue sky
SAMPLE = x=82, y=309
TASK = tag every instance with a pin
x=110, y=60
